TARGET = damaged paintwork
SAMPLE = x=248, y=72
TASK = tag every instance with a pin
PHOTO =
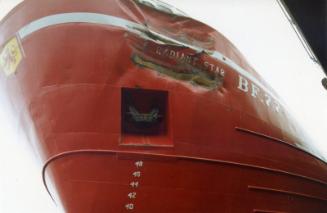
x=194, y=76
x=174, y=59
x=161, y=6
x=10, y=56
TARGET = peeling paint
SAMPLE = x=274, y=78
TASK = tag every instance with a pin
x=196, y=76
x=161, y=6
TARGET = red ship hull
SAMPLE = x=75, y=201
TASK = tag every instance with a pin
x=222, y=141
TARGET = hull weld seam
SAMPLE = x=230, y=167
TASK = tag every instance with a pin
x=240, y=129
x=182, y=157
x=286, y=192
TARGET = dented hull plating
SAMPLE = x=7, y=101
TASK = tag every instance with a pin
x=135, y=107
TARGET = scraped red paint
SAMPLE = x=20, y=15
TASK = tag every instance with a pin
x=221, y=140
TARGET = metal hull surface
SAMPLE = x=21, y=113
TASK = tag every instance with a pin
x=225, y=142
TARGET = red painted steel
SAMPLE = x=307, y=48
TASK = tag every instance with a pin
x=223, y=128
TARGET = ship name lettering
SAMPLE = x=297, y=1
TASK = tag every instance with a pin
x=247, y=86
x=191, y=59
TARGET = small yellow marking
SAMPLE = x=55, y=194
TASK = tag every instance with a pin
x=10, y=56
